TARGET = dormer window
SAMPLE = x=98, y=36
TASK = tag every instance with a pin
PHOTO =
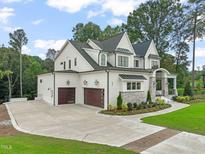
x=103, y=60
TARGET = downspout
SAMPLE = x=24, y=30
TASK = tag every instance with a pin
x=54, y=87
x=108, y=85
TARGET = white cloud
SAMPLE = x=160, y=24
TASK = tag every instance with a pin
x=37, y=22
x=70, y=6
x=92, y=14
x=26, y=50
x=200, y=52
x=116, y=7
x=42, y=55
x=5, y=13
x=46, y=44
x=10, y=29
x=115, y=21
x=120, y=7
x=12, y=1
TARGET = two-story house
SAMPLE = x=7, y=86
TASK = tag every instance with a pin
x=95, y=72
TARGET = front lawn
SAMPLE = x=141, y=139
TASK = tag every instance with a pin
x=31, y=144
x=190, y=119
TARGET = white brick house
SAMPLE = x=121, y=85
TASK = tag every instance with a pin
x=95, y=72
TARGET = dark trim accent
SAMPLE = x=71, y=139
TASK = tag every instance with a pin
x=108, y=87
x=144, y=61
x=54, y=87
x=115, y=59
x=99, y=58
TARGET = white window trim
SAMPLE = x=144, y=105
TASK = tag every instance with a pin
x=154, y=61
x=118, y=61
x=101, y=59
x=131, y=90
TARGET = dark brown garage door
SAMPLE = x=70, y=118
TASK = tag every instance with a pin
x=66, y=96
x=94, y=97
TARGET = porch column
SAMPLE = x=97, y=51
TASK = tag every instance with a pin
x=175, y=86
x=152, y=87
x=165, y=86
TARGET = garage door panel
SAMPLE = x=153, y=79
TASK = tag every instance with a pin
x=94, y=97
x=66, y=96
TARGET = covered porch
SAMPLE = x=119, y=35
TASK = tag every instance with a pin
x=162, y=83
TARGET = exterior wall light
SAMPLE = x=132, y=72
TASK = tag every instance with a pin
x=85, y=82
x=97, y=82
x=68, y=82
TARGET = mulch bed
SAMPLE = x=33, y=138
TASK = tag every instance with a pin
x=6, y=129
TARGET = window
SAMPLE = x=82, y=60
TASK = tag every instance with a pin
x=69, y=64
x=133, y=85
x=123, y=61
x=138, y=85
x=155, y=64
x=136, y=63
x=75, y=62
x=129, y=85
x=64, y=65
x=103, y=60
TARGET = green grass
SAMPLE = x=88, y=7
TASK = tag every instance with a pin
x=31, y=144
x=190, y=119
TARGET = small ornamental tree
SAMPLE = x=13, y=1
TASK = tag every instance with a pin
x=187, y=90
x=149, y=99
x=119, y=102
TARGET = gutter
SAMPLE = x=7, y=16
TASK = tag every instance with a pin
x=54, y=88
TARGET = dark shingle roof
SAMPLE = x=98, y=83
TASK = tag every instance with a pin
x=133, y=77
x=154, y=56
x=141, y=48
x=79, y=46
x=66, y=71
x=110, y=44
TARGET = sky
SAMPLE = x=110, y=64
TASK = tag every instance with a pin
x=48, y=23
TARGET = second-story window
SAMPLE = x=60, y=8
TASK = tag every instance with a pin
x=136, y=63
x=155, y=64
x=103, y=60
x=75, y=62
x=69, y=64
x=123, y=61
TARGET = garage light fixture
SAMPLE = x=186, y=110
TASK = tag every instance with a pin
x=97, y=82
x=85, y=82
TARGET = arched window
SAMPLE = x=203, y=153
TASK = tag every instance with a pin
x=103, y=60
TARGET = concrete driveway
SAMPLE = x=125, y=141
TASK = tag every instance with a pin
x=78, y=122
x=84, y=123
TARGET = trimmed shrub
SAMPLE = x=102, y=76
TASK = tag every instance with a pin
x=188, y=90
x=183, y=99
x=149, y=99
x=135, y=105
x=129, y=106
x=160, y=101
x=119, y=102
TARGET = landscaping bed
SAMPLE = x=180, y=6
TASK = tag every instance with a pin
x=134, y=111
x=190, y=119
